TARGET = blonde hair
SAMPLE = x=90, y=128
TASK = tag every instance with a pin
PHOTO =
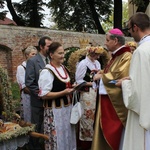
x=93, y=49
x=132, y=44
x=29, y=49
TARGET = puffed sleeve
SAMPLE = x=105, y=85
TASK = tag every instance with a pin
x=80, y=72
x=45, y=82
x=20, y=76
x=98, y=65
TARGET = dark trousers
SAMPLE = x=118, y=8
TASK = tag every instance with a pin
x=37, y=115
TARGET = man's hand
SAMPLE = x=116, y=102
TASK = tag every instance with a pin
x=119, y=81
x=26, y=90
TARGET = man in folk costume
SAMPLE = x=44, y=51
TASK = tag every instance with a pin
x=136, y=90
x=111, y=112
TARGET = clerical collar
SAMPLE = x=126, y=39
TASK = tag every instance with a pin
x=118, y=49
x=121, y=50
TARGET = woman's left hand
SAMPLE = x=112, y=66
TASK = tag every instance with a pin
x=69, y=91
x=97, y=76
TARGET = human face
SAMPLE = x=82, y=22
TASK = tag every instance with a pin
x=57, y=57
x=132, y=49
x=94, y=56
x=31, y=54
x=110, y=44
x=134, y=31
x=45, y=48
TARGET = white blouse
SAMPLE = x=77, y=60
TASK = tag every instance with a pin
x=46, y=79
x=81, y=68
x=20, y=75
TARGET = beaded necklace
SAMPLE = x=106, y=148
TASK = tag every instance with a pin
x=66, y=74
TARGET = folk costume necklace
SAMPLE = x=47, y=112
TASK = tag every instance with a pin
x=66, y=74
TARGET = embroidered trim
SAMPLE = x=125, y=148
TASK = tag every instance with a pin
x=54, y=73
x=66, y=74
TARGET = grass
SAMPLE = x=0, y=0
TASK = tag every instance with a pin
x=15, y=94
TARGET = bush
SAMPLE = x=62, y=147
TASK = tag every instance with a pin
x=15, y=94
x=68, y=53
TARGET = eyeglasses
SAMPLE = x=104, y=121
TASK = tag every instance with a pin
x=129, y=28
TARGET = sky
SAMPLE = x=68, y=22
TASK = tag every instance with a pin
x=46, y=22
x=47, y=12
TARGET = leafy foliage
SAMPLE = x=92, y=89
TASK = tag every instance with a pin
x=6, y=94
x=80, y=15
x=137, y=2
x=15, y=90
x=107, y=25
x=27, y=12
x=141, y=4
x=2, y=13
x=75, y=15
x=68, y=53
x=30, y=12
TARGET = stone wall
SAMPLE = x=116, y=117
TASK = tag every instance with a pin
x=13, y=39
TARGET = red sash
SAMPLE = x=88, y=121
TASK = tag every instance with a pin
x=110, y=123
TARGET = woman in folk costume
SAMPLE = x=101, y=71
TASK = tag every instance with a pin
x=24, y=91
x=132, y=45
x=85, y=71
x=112, y=114
x=55, y=90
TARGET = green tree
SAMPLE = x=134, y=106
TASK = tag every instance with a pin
x=18, y=19
x=2, y=13
x=107, y=25
x=78, y=15
x=73, y=15
x=28, y=12
x=141, y=4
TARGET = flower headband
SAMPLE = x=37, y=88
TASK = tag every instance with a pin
x=132, y=44
x=97, y=49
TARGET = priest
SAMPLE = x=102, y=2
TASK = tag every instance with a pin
x=136, y=90
x=111, y=112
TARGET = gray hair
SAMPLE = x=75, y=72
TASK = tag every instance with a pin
x=121, y=39
x=29, y=49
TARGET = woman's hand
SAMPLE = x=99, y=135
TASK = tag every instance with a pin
x=68, y=91
x=26, y=90
x=74, y=84
x=54, y=95
x=97, y=76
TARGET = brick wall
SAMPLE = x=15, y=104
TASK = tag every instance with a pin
x=14, y=38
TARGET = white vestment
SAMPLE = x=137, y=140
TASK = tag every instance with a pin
x=136, y=94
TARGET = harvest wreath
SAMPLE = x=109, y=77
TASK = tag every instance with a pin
x=12, y=130
x=11, y=125
x=6, y=106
